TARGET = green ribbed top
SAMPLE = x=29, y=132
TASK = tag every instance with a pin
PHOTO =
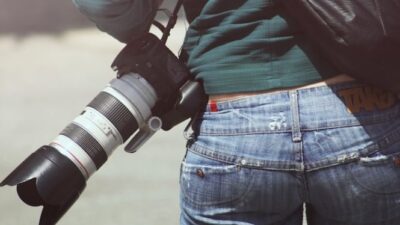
x=250, y=45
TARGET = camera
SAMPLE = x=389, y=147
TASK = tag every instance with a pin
x=153, y=90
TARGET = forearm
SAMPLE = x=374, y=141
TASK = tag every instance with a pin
x=123, y=19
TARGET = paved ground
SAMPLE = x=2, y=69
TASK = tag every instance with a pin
x=45, y=81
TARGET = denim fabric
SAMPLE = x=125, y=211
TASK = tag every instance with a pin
x=259, y=159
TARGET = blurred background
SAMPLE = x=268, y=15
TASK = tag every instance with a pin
x=53, y=61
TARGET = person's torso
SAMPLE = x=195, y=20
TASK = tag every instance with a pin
x=249, y=45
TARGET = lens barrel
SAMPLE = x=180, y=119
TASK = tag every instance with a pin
x=108, y=121
x=132, y=105
x=56, y=174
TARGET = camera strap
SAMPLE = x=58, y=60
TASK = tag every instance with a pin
x=173, y=17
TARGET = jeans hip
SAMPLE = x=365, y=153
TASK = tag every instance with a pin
x=300, y=130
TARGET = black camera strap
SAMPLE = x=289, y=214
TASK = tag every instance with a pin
x=173, y=17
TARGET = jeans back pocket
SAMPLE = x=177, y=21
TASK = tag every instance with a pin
x=203, y=185
x=379, y=174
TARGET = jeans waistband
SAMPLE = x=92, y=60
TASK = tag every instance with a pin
x=344, y=104
x=338, y=123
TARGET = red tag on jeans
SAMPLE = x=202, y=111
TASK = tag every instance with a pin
x=213, y=106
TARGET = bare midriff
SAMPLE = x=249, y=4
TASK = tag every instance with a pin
x=331, y=81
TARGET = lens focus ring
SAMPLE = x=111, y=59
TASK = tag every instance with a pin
x=116, y=112
x=87, y=143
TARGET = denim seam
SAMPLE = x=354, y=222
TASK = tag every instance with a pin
x=383, y=143
x=379, y=146
x=245, y=161
x=228, y=168
x=208, y=132
x=344, y=159
x=332, y=125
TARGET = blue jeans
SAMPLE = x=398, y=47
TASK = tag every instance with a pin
x=259, y=159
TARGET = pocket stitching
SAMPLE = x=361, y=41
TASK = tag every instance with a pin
x=365, y=187
x=231, y=200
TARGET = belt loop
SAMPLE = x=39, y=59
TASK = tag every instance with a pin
x=294, y=108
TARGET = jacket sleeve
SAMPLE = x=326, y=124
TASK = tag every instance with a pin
x=122, y=19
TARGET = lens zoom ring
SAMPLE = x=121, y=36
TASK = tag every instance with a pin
x=116, y=112
x=88, y=143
